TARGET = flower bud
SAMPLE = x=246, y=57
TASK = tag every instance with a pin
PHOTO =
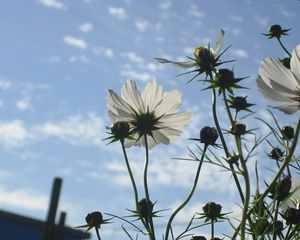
x=198, y=238
x=208, y=135
x=145, y=208
x=225, y=78
x=287, y=132
x=281, y=189
x=120, y=130
x=238, y=129
x=94, y=219
x=239, y=103
x=276, y=153
x=277, y=227
x=212, y=211
x=292, y=216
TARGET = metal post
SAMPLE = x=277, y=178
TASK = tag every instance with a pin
x=59, y=233
x=50, y=224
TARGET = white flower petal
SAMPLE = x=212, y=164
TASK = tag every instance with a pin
x=160, y=137
x=132, y=96
x=152, y=95
x=175, y=120
x=295, y=63
x=288, y=108
x=117, y=106
x=274, y=91
x=219, y=43
x=185, y=64
x=271, y=69
x=170, y=103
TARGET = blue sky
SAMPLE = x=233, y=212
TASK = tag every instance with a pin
x=59, y=58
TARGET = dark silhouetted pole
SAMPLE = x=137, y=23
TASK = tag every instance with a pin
x=61, y=225
x=50, y=224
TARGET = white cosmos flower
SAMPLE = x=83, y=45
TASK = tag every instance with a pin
x=281, y=84
x=153, y=113
x=293, y=201
x=205, y=58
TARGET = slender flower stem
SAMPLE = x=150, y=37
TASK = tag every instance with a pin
x=212, y=229
x=152, y=233
x=283, y=47
x=275, y=218
x=188, y=198
x=277, y=176
x=98, y=234
x=215, y=117
x=247, y=187
x=130, y=175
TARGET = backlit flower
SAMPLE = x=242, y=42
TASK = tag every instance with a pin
x=153, y=113
x=281, y=84
x=205, y=59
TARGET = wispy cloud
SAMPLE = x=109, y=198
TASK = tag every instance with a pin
x=104, y=51
x=135, y=75
x=133, y=57
x=78, y=129
x=53, y=4
x=239, y=53
x=13, y=134
x=118, y=12
x=24, y=104
x=23, y=199
x=75, y=42
x=86, y=27
x=141, y=25
x=80, y=59
x=4, y=84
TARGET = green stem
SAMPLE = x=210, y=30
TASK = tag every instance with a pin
x=275, y=218
x=283, y=47
x=98, y=234
x=152, y=233
x=215, y=117
x=247, y=187
x=212, y=229
x=130, y=174
x=189, y=195
x=277, y=176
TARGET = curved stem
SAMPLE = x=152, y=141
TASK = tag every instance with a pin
x=130, y=174
x=152, y=233
x=188, y=198
x=283, y=47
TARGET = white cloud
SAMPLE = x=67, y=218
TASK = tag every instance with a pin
x=236, y=18
x=75, y=42
x=141, y=25
x=138, y=76
x=86, y=27
x=54, y=59
x=23, y=199
x=13, y=134
x=24, y=104
x=4, y=84
x=118, y=13
x=194, y=11
x=107, y=52
x=75, y=130
x=240, y=53
x=287, y=13
x=133, y=57
x=53, y=4
x=165, y=5
x=82, y=59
